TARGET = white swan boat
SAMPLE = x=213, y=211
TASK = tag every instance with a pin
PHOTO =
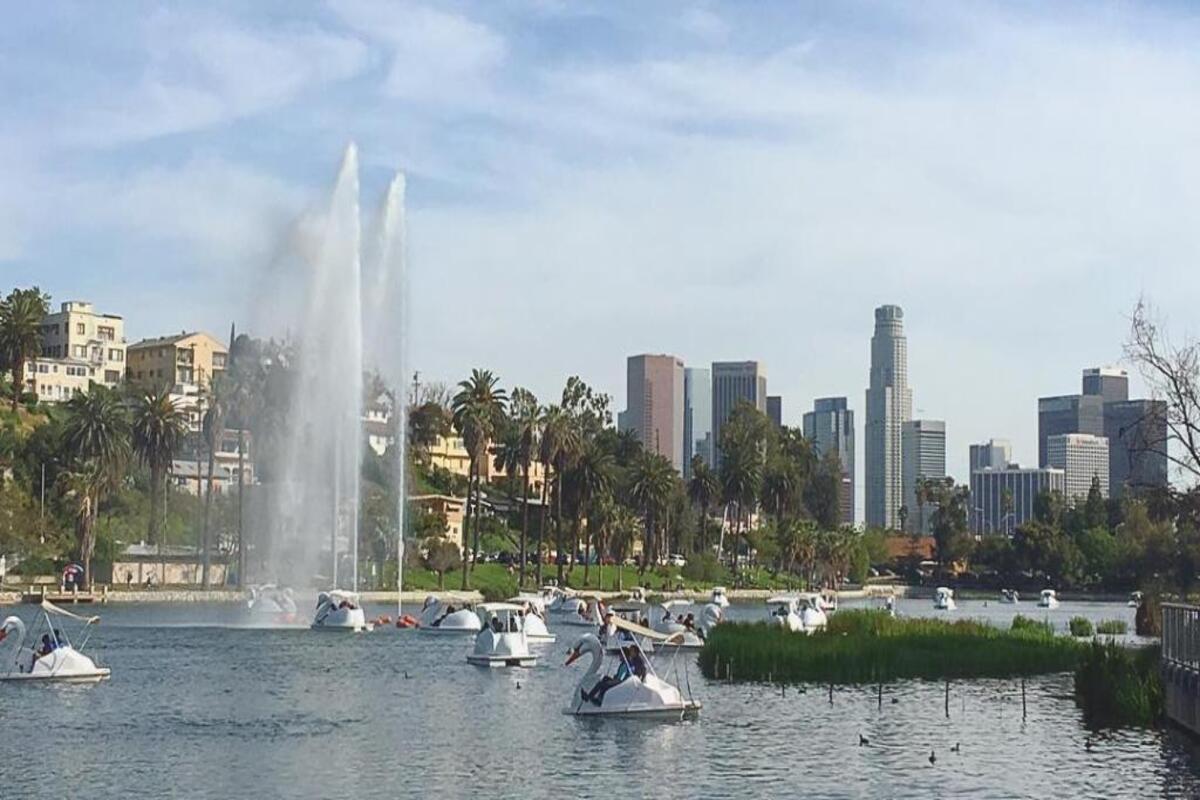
x=827, y=601
x=587, y=613
x=502, y=642
x=439, y=617
x=557, y=600
x=943, y=599
x=1009, y=597
x=339, y=610
x=630, y=611
x=678, y=633
x=798, y=613
x=1048, y=599
x=711, y=616
x=271, y=602
x=633, y=690
x=718, y=597
x=54, y=658
x=1135, y=600
x=534, y=618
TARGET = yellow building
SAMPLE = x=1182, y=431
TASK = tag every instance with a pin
x=76, y=332
x=450, y=454
x=56, y=380
x=177, y=361
x=450, y=507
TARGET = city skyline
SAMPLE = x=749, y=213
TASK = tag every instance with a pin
x=563, y=172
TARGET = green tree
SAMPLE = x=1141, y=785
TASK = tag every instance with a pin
x=591, y=475
x=703, y=490
x=516, y=452
x=649, y=490
x=440, y=557
x=158, y=427
x=21, y=315
x=96, y=435
x=478, y=410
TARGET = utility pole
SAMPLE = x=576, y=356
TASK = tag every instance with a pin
x=42, y=516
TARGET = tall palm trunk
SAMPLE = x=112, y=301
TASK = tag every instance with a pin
x=558, y=539
x=87, y=538
x=19, y=385
x=524, y=521
x=152, y=522
x=475, y=527
x=466, y=541
x=587, y=552
x=241, y=483
x=207, y=556
x=542, y=525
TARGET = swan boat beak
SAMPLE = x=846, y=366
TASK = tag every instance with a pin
x=571, y=656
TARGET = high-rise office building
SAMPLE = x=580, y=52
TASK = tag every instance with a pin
x=1002, y=497
x=1111, y=383
x=1072, y=413
x=654, y=404
x=889, y=406
x=923, y=457
x=775, y=409
x=994, y=454
x=1083, y=458
x=697, y=417
x=734, y=382
x=830, y=427
x=1136, y=429
x=1137, y=445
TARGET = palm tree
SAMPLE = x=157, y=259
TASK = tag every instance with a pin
x=703, y=490
x=21, y=316
x=212, y=428
x=561, y=443
x=741, y=480
x=651, y=481
x=516, y=452
x=591, y=475
x=96, y=434
x=478, y=410
x=158, y=429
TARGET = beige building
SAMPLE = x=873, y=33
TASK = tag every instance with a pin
x=76, y=332
x=56, y=380
x=654, y=404
x=178, y=361
x=192, y=476
x=450, y=507
x=450, y=454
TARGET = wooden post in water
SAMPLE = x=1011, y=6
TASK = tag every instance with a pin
x=1023, y=714
x=947, y=699
x=881, y=695
x=831, y=693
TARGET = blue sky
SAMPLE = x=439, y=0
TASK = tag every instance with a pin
x=590, y=180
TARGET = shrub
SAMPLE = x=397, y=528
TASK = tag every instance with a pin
x=1117, y=686
x=1112, y=627
x=1080, y=626
x=1028, y=625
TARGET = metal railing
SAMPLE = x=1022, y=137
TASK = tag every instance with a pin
x=1181, y=634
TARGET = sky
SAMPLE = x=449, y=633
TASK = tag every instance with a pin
x=589, y=180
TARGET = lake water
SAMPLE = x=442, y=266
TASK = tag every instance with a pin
x=198, y=708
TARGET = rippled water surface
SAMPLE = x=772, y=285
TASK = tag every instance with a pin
x=201, y=708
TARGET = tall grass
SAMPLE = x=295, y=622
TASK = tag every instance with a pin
x=1112, y=627
x=1118, y=686
x=1081, y=626
x=870, y=646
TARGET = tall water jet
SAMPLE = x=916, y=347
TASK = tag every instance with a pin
x=317, y=496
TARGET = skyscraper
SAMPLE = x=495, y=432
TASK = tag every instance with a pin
x=1071, y=413
x=733, y=382
x=923, y=456
x=1083, y=458
x=654, y=404
x=830, y=427
x=697, y=417
x=889, y=406
x=993, y=454
x=1111, y=383
x=775, y=409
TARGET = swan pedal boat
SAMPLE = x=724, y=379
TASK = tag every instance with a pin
x=1048, y=599
x=943, y=599
x=798, y=613
x=339, y=610
x=501, y=643
x=648, y=697
x=679, y=635
x=534, y=619
x=63, y=664
x=434, y=618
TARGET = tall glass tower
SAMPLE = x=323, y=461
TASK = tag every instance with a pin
x=889, y=406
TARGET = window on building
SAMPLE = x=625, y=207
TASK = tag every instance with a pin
x=115, y=355
x=80, y=328
x=112, y=376
x=79, y=351
x=218, y=361
x=106, y=333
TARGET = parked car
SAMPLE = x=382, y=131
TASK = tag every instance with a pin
x=676, y=560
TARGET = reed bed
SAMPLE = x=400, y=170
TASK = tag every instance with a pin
x=1112, y=627
x=872, y=647
x=1081, y=626
x=1119, y=686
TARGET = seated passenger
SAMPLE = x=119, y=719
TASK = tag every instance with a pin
x=624, y=670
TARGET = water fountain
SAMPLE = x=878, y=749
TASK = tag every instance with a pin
x=339, y=300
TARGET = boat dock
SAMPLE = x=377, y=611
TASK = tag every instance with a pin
x=61, y=596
